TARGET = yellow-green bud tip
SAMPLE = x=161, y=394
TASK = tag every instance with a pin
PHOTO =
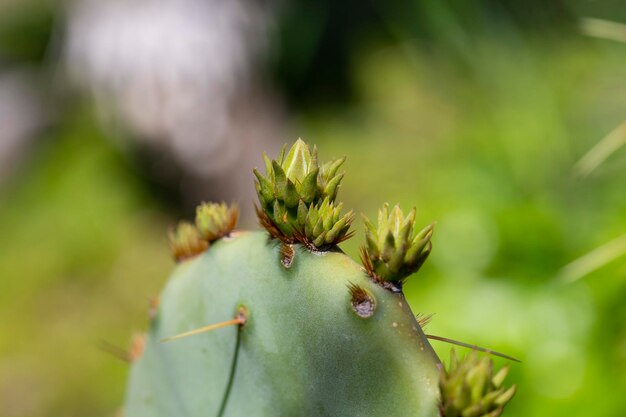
x=186, y=241
x=216, y=220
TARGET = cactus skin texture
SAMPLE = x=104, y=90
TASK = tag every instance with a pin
x=312, y=333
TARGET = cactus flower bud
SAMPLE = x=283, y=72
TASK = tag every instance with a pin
x=297, y=198
x=393, y=249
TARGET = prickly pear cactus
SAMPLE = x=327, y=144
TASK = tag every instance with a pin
x=280, y=322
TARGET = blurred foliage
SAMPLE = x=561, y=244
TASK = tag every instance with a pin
x=82, y=251
x=26, y=30
x=315, y=39
x=475, y=112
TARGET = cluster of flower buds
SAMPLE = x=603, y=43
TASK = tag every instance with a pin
x=297, y=198
x=324, y=223
x=470, y=389
x=186, y=242
x=216, y=220
x=394, y=250
x=213, y=221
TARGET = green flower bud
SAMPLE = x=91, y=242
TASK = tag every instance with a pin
x=393, y=249
x=216, y=220
x=186, y=241
x=297, y=198
x=469, y=388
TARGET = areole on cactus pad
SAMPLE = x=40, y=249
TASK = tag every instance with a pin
x=304, y=331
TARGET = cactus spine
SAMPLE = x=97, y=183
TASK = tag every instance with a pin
x=303, y=330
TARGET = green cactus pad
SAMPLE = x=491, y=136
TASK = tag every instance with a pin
x=303, y=351
x=286, y=326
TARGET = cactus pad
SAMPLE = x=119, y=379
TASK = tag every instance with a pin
x=281, y=323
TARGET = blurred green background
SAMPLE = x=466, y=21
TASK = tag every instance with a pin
x=501, y=120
